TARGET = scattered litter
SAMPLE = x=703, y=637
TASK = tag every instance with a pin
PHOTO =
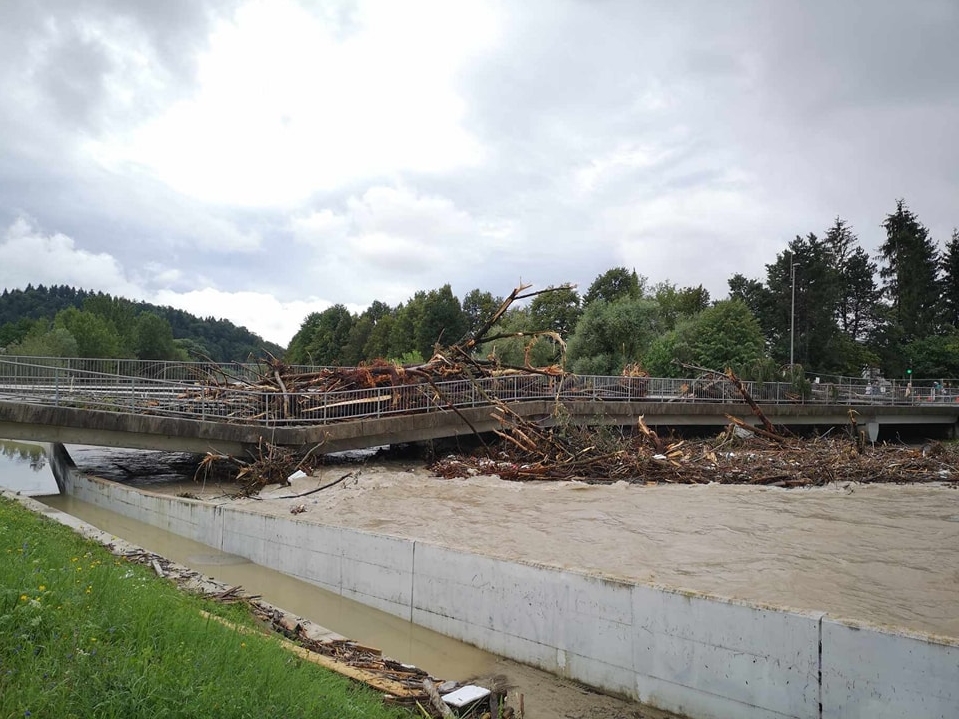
x=465, y=695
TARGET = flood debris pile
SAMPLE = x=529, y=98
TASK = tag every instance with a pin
x=270, y=464
x=728, y=458
x=278, y=392
x=288, y=394
x=742, y=453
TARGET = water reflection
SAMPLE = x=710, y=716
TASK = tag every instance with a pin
x=24, y=452
x=24, y=468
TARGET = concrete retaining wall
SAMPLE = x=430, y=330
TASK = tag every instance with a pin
x=701, y=656
x=885, y=674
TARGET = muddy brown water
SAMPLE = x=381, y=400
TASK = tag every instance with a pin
x=881, y=553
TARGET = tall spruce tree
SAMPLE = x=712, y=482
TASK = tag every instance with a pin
x=816, y=337
x=910, y=274
x=858, y=295
x=950, y=281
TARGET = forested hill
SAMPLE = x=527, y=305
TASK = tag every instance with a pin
x=65, y=321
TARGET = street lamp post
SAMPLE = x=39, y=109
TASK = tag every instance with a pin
x=792, y=317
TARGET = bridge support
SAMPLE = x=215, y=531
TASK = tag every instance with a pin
x=61, y=464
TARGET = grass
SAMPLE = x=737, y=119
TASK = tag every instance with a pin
x=84, y=634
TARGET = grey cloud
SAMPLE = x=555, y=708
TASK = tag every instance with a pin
x=66, y=51
x=795, y=112
x=827, y=54
x=73, y=74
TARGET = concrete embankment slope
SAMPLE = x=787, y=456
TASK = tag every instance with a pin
x=682, y=651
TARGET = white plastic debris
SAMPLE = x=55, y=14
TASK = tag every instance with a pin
x=465, y=695
x=298, y=474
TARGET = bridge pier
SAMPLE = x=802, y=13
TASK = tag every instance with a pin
x=61, y=464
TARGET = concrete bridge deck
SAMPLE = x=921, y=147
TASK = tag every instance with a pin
x=162, y=406
x=73, y=425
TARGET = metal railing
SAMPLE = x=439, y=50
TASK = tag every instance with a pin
x=183, y=390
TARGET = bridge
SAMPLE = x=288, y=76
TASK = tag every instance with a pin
x=168, y=406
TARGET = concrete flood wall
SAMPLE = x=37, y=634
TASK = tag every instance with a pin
x=705, y=657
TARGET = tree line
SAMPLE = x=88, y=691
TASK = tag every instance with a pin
x=824, y=305
x=62, y=321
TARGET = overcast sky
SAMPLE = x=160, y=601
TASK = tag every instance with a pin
x=261, y=160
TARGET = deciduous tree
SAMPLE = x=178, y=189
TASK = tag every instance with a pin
x=441, y=321
x=610, y=335
x=615, y=284
x=96, y=337
x=154, y=338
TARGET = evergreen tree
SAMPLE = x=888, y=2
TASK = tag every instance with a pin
x=761, y=302
x=220, y=340
x=858, y=294
x=950, y=281
x=911, y=274
x=809, y=324
x=296, y=353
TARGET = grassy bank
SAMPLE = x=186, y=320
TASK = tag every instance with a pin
x=84, y=634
